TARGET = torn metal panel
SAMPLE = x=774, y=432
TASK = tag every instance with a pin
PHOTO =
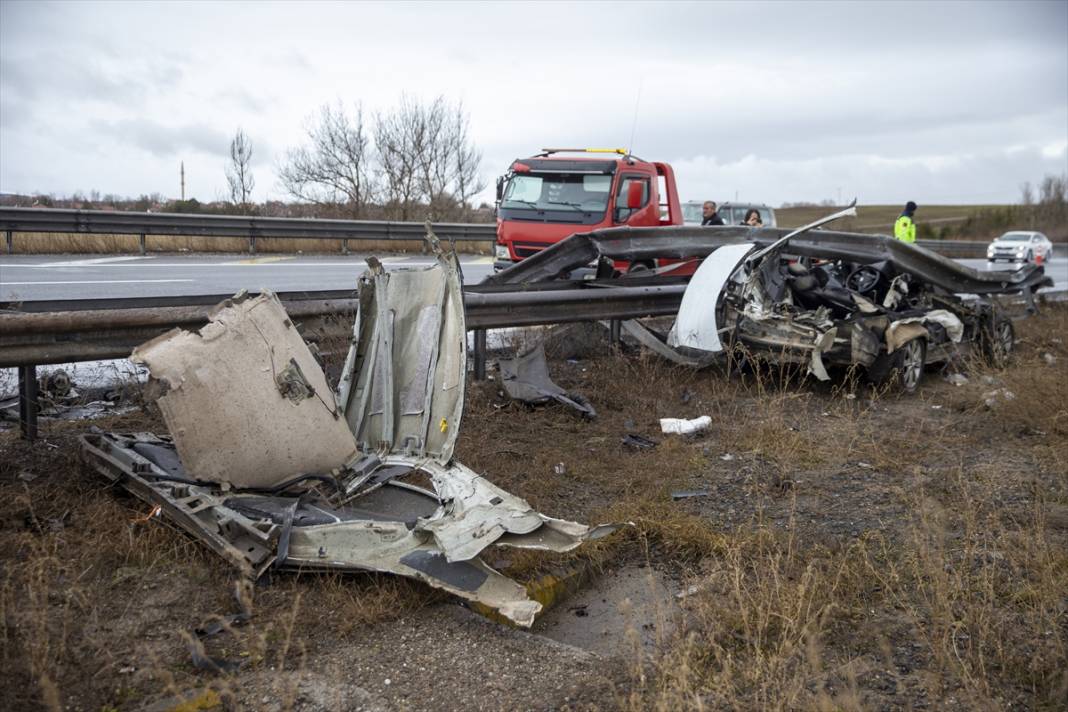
x=431, y=535
x=245, y=400
x=394, y=501
x=401, y=388
x=696, y=326
x=526, y=378
x=658, y=344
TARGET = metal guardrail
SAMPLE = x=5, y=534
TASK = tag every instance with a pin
x=252, y=228
x=107, y=222
x=37, y=333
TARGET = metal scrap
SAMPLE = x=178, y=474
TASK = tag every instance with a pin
x=526, y=378
x=269, y=468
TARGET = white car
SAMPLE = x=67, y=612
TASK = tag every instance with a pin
x=1020, y=246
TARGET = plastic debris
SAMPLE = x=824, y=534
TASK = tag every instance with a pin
x=681, y=426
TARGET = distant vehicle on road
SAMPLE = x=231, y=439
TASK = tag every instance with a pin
x=1019, y=246
x=732, y=213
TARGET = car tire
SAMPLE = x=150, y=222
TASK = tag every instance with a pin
x=901, y=370
x=998, y=341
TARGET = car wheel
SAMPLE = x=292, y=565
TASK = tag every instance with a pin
x=901, y=370
x=999, y=341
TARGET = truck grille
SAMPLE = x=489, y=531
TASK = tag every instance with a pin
x=526, y=249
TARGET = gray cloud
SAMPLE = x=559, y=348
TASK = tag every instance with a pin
x=165, y=141
x=791, y=100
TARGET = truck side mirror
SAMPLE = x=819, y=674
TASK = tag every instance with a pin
x=500, y=188
x=635, y=193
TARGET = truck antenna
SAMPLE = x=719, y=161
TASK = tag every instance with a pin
x=634, y=124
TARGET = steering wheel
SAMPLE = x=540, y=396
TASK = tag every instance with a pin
x=863, y=279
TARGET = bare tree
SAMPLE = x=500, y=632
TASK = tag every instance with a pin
x=427, y=157
x=467, y=160
x=401, y=140
x=1027, y=194
x=333, y=168
x=238, y=170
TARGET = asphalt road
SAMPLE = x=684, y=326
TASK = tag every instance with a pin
x=47, y=277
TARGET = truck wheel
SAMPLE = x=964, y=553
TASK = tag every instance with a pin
x=998, y=341
x=638, y=267
x=903, y=369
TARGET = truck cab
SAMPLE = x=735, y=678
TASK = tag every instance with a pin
x=548, y=197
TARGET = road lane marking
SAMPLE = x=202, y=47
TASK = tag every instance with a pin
x=259, y=260
x=95, y=261
x=102, y=281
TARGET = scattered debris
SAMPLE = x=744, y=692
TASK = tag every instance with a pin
x=957, y=379
x=271, y=469
x=991, y=398
x=681, y=426
x=726, y=457
x=1049, y=358
x=687, y=494
x=526, y=378
x=560, y=469
x=639, y=442
x=27, y=476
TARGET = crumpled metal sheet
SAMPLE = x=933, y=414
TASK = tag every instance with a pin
x=526, y=378
x=246, y=402
x=254, y=423
x=626, y=243
x=898, y=333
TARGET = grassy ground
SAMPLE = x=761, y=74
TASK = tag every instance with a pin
x=858, y=550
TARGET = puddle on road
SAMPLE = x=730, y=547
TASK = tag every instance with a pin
x=619, y=610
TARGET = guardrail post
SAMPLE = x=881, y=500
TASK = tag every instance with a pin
x=141, y=242
x=480, y=354
x=345, y=246
x=10, y=243
x=613, y=332
x=252, y=244
x=28, y=401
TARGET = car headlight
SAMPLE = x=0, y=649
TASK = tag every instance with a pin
x=501, y=252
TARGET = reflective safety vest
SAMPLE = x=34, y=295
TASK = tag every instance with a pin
x=905, y=229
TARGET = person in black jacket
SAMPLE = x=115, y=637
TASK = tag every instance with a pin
x=709, y=216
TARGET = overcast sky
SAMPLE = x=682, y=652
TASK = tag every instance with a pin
x=935, y=102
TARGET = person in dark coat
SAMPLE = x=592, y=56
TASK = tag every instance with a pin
x=709, y=216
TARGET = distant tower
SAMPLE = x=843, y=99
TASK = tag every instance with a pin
x=182, y=171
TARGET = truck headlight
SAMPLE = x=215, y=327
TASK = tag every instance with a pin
x=501, y=252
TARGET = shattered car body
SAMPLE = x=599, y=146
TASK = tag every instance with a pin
x=812, y=296
x=290, y=476
x=834, y=312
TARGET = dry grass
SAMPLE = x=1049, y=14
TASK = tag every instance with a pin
x=857, y=549
x=63, y=243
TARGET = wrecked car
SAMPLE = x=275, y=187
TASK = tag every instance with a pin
x=811, y=296
x=834, y=312
x=271, y=469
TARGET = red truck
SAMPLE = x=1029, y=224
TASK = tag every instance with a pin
x=547, y=197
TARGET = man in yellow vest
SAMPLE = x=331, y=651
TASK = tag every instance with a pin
x=904, y=228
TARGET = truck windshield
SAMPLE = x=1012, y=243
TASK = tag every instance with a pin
x=568, y=192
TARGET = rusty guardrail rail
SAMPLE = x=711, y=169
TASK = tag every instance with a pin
x=113, y=222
